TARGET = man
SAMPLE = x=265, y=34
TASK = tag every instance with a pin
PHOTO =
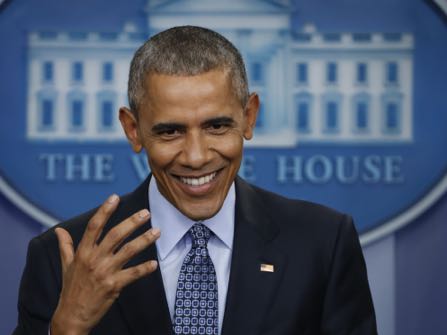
x=214, y=255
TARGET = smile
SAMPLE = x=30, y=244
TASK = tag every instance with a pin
x=198, y=181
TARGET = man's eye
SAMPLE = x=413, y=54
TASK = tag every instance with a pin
x=169, y=133
x=218, y=128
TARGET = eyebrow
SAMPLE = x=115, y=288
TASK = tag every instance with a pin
x=169, y=126
x=219, y=120
x=163, y=127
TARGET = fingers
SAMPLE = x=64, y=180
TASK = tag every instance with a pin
x=98, y=220
x=118, y=234
x=130, y=249
x=65, y=247
x=127, y=276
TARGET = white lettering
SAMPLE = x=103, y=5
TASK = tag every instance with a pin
x=103, y=168
x=320, y=169
x=140, y=165
x=289, y=166
x=50, y=161
x=247, y=168
x=78, y=167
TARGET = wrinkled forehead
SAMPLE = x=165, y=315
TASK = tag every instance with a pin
x=161, y=85
x=210, y=90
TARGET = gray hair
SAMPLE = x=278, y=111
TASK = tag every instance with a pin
x=185, y=51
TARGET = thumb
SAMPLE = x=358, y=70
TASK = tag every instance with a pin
x=66, y=249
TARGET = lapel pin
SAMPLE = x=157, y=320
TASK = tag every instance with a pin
x=267, y=268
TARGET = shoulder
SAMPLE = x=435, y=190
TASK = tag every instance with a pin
x=298, y=221
x=283, y=209
x=309, y=234
x=291, y=208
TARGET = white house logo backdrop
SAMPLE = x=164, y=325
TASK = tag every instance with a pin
x=353, y=111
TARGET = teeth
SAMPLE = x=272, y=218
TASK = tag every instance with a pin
x=198, y=181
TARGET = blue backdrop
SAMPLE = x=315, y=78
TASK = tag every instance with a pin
x=353, y=116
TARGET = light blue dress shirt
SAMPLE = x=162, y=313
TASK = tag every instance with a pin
x=174, y=243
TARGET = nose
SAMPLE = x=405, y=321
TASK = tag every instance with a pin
x=195, y=153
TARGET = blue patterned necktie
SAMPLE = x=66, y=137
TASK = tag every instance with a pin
x=196, y=301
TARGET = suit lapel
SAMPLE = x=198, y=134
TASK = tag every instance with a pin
x=250, y=290
x=143, y=303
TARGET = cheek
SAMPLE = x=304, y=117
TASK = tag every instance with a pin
x=160, y=156
x=230, y=146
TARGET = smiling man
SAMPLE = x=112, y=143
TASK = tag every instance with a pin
x=195, y=249
x=192, y=128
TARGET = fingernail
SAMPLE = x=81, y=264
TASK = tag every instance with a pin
x=143, y=214
x=155, y=231
x=112, y=199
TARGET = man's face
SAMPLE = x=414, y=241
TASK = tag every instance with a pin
x=192, y=128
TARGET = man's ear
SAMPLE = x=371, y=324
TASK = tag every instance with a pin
x=250, y=114
x=130, y=127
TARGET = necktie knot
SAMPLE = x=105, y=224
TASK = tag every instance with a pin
x=200, y=235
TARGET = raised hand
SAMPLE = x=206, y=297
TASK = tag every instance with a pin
x=93, y=275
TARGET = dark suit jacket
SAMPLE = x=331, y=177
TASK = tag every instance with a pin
x=319, y=284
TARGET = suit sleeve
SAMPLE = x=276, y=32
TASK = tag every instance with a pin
x=39, y=291
x=348, y=307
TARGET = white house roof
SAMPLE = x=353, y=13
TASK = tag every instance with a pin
x=216, y=6
x=218, y=15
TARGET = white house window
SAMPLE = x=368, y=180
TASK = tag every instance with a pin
x=361, y=115
x=303, y=105
x=257, y=72
x=47, y=72
x=331, y=116
x=77, y=110
x=331, y=73
x=47, y=114
x=332, y=37
x=361, y=111
x=331, y=112
x=302, y=73
x=303, y=116
x=107, y=114
x=108, y=36
x=77, y=72
x=362, y=73
x=46, y=117
x=361, y=37
x=77, y=35
x=392, y=73
x=391, y=114
x=107, y=72
x=106, y=110
x=77, y=113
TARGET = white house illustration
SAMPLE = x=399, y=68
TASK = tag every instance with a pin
x=334, y=87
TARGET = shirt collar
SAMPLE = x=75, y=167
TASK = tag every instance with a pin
x=174, y=225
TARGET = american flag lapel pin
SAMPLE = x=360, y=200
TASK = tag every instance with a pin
x=267, y=267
